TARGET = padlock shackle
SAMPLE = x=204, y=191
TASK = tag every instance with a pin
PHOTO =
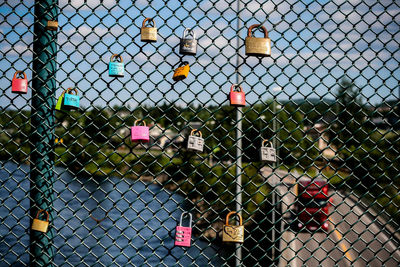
x=235, y=85
x=184, y=63
x=190, y=218
x=265, y=141
x=150, y=20
x=17, y=73
x=137, y=121
x=194, y=131
x=257, y=26
x=63, y=93
x=233, y=213
x=116, y=56
x=42, y=211
x=190, y=32
x=72, y=90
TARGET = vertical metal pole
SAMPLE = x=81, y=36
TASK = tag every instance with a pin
x=273, y=190
x=239, y=115
x=42, y=135
x=275, y=143
x=238, y=195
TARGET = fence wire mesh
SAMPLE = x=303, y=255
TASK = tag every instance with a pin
x=327, y=99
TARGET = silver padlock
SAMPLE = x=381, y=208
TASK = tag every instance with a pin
x=267, y=153
x=188, y=46
x=195, y=143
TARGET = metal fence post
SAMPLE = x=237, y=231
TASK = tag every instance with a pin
x=43, y=123
x=239, y=116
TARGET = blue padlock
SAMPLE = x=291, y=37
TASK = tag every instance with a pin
x=71, y=101
x=116, y=66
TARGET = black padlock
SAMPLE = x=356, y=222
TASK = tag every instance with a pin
x=188, y=46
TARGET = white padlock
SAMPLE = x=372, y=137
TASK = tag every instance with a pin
x=267, y=153
x=195, y=143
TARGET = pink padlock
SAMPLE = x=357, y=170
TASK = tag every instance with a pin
x=183, y=235
x=19, y=85
x=140, y=133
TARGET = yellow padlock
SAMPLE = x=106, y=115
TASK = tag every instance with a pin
x=39, y=225
x=52, y=25
x=181, y=72
x=233, y=233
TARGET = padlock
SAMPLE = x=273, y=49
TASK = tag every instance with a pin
x=183, y=234
x=19, y=85
x=267, y=153
x=116, y=66
x=233, y=233
x=195, y=143
x=52, y=25
x=39, y=225
x=148, y=34
x=259, y=47
x=237, y=98
x=140, y=133
x=71, y=101
x=181, y=72
x=188, y=46
x=60, y=101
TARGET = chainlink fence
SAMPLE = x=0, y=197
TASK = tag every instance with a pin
x=327, y=100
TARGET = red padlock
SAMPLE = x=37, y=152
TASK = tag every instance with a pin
x=237, y=98
x=19, y=85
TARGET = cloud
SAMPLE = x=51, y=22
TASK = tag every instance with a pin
x=84, y=5
x=17, y=50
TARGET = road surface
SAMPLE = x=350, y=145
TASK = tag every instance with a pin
x=354, y=238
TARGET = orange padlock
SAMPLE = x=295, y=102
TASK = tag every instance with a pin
x=237, y=98
x=181, y=72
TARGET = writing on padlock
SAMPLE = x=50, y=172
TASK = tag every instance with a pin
x=71, y=100
x=237, y=96
x=140, y=133
x=181, y=72
x=233, y=233
x=52, y=25
x=183, y=234
x=195, y=142
x=19, y=85
x=40, y=225
x=188, y=46
x=148, y=34
x=116, y=66
x=267, y=153
x=255, y=46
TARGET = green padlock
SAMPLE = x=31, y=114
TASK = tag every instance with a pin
x=60, y=101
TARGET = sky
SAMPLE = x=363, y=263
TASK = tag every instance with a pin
x=314, y=45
